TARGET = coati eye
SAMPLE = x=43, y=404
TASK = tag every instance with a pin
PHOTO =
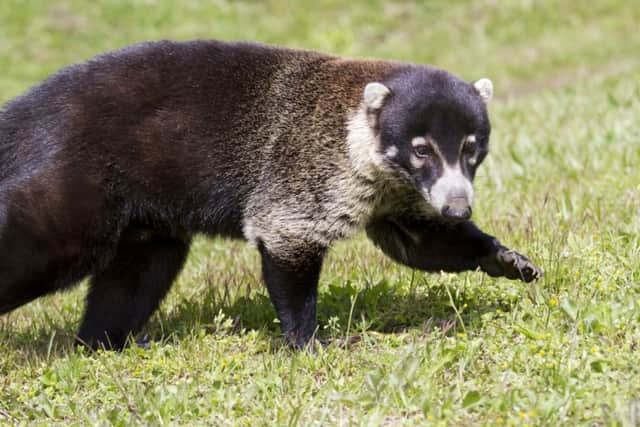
x=469, y=147
x=423, y=150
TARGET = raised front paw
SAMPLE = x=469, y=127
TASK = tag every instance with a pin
x=512, y=265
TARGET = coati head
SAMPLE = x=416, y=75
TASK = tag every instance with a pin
x=431, y=130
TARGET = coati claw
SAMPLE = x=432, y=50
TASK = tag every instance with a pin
x=518, y=266
x=512, y=265
x=144, y=342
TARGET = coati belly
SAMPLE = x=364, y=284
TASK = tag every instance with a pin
x=107, y=169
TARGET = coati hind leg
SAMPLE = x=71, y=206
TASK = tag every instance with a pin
x=432, y=246
x=293, y=288
x=123, y=296
x=33, y=263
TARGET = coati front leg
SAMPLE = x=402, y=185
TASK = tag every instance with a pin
x=292, y=282
x=433, y=246
x=125, y=294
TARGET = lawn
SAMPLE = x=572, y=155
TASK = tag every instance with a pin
x=561, y=185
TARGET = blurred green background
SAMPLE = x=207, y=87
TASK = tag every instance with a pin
x=522, y=44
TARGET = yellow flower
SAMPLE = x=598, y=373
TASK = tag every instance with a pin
x=594, y=349
x=522, y=414
x=553, y=302
x=499, y=420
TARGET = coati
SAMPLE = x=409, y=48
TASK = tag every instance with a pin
x=108, y=168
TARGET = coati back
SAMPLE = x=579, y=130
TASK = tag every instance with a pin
x=109, y=167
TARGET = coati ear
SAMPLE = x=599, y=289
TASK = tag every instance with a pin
x=485, y=89
x=375, y=94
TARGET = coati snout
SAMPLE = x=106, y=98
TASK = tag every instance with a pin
x=434, y=133
x=107, y=169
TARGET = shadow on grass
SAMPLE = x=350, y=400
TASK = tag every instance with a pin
x=381, y=308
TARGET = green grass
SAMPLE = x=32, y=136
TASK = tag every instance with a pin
x=561, y=185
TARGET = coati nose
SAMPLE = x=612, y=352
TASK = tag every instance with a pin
x=457, y=209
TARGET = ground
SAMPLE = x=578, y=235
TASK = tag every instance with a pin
x=561, y=185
